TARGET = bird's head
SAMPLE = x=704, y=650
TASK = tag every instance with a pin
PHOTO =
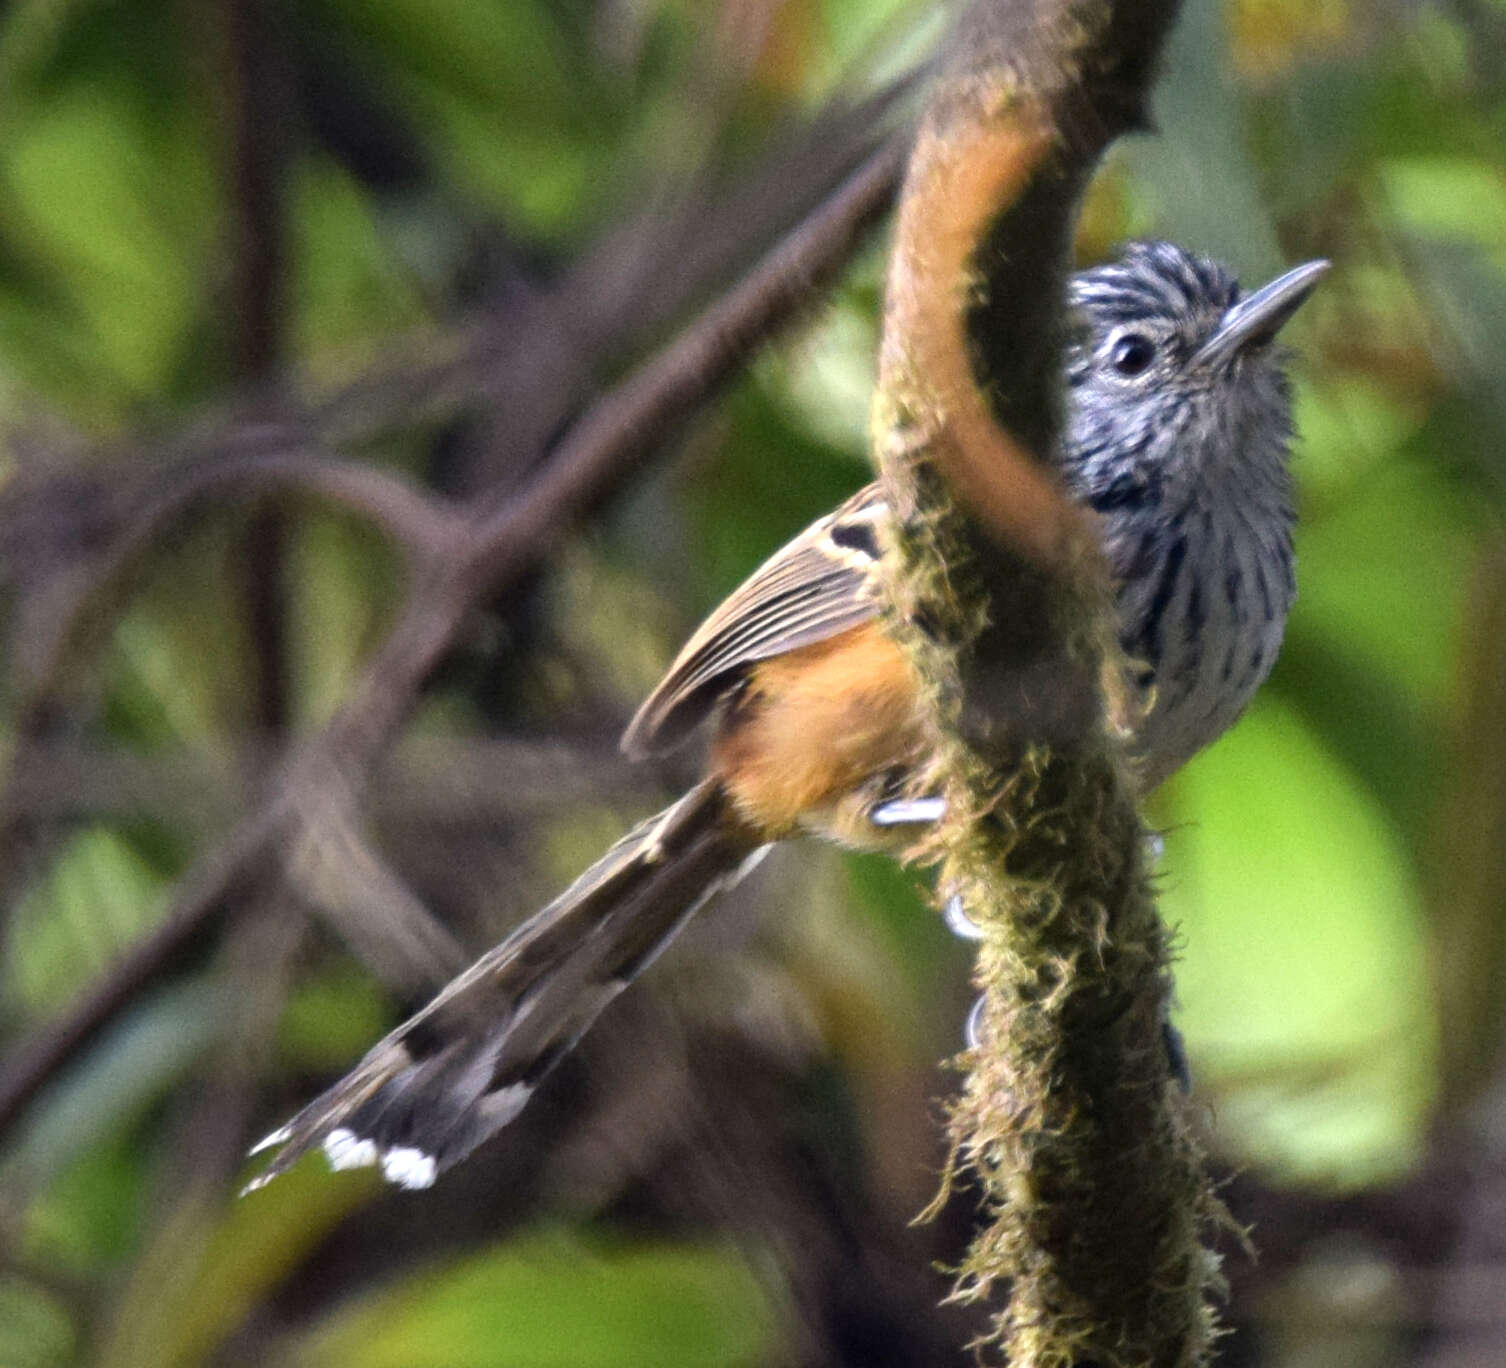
x=1173, y=380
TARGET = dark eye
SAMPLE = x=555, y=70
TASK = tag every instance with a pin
x=1132, y=353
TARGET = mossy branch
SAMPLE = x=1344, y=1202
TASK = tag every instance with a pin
x=1097, y=1200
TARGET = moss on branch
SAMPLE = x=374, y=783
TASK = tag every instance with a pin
x=1097, y=1201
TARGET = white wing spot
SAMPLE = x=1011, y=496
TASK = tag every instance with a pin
x=346, y=1150
x=409, y=1168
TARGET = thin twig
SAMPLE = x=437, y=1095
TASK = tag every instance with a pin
x=614, y=434
x=622, y=293
x=427, y=781
x=630, y=422
x=534, y=357
x=424, y=525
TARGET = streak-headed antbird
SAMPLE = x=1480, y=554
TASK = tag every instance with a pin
x=1177, y=437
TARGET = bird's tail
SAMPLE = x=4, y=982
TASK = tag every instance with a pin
x=464, y=1066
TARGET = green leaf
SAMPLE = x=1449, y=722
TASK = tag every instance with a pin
x=554, y=1302
x=1382, y=577
x=216, y=1256
x=343, y=580
x=1304, y=975
x=826, y=377
x=35, y=1328
x=147, y=1052
x=97, y=898
x=1345, y=429
x=332, y=1019
x=891, y=903
x=349, y=288
x=180, y=645
x=505, y=104
x=774, y=499
x=1450, y=197
x=86, y=1220
x=479, y=49
x=116, y=209
x=1371, y=647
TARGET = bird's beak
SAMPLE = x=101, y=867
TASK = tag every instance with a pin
x=1257, y=318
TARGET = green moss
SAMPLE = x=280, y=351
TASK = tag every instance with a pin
x=1095, y=1195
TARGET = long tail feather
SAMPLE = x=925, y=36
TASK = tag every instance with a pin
x=462, y=1068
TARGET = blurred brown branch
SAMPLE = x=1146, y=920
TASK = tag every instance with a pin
x=140, y=509
x=72, y=521
x=428, y=780
x=486, y=547
x=262, y=147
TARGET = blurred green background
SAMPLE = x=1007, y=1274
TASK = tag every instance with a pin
x=216, y=213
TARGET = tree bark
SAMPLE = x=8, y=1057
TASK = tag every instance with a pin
x=1097, y=1203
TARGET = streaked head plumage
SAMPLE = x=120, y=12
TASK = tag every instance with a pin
x=1171, y=374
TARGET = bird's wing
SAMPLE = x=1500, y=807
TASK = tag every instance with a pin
x=814, y=587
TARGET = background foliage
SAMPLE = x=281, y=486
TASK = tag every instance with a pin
x=212, y=214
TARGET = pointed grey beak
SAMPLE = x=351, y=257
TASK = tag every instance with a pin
x=1257, y=318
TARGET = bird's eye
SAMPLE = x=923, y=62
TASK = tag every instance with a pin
x=1132, y=353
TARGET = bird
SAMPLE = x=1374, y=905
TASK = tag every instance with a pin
x=1177, y=437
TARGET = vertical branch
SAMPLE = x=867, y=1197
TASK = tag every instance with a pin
x=259, y=154
x=257, y=957
x=260, y=112
x=1096, y=1199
